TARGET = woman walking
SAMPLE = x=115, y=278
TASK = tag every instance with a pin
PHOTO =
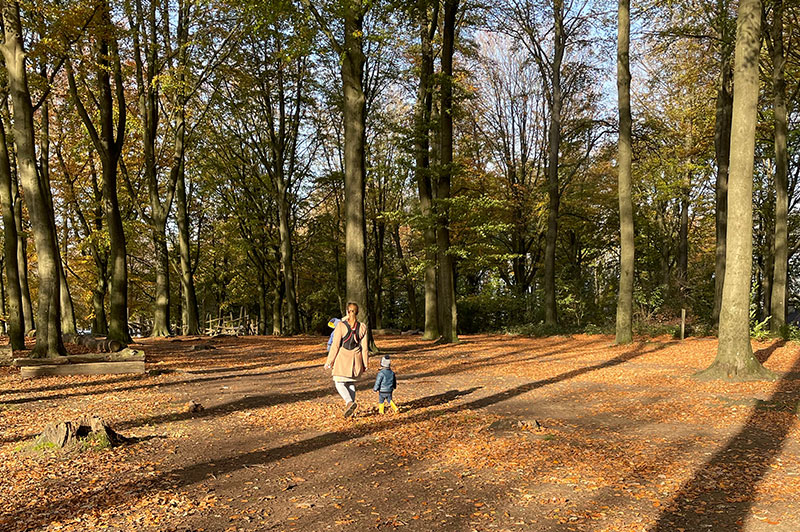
x=348, y=357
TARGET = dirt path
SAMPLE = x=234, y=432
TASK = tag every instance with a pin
x=627, y=441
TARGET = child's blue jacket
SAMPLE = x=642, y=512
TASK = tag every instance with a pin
x=385, y=382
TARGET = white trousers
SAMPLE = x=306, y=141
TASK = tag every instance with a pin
x=347, y=390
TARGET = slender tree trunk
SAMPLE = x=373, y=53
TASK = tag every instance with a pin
x=422, y=125
x=48, y=335
x=781, y=256
x=22, y=261
x=187, y=271
x=627, y=259
x=100, y=322
x=277, y=304
x=446, y=288
x=65, y=300
x=735, y=359
x=722, y=145
x=262, y=304
x=554, y=145
x=15, y=319
x=287, y=255
x=161, y=310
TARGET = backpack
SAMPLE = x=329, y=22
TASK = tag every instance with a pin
x=351, y=340
x=332, y=323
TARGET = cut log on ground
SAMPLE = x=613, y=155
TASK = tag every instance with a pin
x=87, y=428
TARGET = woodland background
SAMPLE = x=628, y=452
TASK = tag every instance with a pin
x=202, y=143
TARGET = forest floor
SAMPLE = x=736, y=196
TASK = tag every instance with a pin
x=628, y=440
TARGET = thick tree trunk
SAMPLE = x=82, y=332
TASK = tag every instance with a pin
x=422, y=127
x=15, y=319
x=781, y=256
x=446, y=289
x=48, y=334
x=354, y=163
x=554, y=145
x=627, y=259
x=722, y=146
x=735, y=359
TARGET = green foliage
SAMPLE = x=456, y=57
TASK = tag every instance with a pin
x=96, y=441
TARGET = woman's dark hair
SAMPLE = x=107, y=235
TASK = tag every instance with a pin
x=352, y=304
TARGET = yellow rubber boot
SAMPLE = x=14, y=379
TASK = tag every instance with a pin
x=394, y=407
x=380, y=408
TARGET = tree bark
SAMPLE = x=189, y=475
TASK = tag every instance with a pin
x=108, y=143
x=352, y=73
x=48, y=335
x=781, y=256
x=446, y=289
x=735, y=359
x=15, y=320
x=22, y=260
x=554, y=145
x=625, y=153
x=422, y=125
x=722, y=145
x=277, y=303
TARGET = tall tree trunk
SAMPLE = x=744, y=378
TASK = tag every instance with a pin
x=287, y=254
x=627, y=259
x=65, y=300
x=422, y=127
x=446, y=288
x=262, y=304
x=108, y=143
x=735, y=359
x=187, y=270
x=22, y=261
x=48, y=334
x=554, y=145
x=15, y=320
x=722, y=148
x=354, y=163
x=277, y=303
x=683, y=233
x=781, y=256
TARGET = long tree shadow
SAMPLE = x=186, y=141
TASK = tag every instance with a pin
x=728, y=481
x=190, y=474
x=763, y=354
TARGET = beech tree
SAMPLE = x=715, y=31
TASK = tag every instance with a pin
x=735, y=359
x=48, y=334
x=107, y=141
x=627, y=262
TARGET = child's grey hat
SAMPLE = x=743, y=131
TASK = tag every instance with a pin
x=385, y=362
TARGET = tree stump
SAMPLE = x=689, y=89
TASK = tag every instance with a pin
x=85, y=428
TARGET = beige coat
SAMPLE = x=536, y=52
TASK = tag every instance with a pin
x=349, y=363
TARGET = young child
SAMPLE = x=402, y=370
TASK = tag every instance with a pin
x=385, y=383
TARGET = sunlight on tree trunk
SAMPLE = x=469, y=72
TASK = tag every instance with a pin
x=735, y=359
x=627, y=259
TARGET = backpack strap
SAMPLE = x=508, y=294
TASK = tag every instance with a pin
x=351, y=332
